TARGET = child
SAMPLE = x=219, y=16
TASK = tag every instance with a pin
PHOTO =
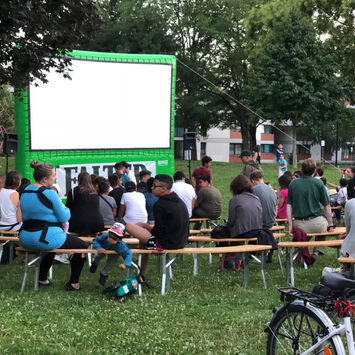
x=282, y=165
x=284, y=182
x=342, y=197
x=111, y=241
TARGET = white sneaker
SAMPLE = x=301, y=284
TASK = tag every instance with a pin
x=330, y=270
x=62, y=258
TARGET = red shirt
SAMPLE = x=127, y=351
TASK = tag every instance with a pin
x=199, y=172
x=282, y=211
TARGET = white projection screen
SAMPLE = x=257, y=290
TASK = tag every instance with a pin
x=106, y=105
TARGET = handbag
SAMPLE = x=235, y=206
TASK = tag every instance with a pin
x=220, y=232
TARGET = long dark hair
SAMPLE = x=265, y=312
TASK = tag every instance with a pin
x=85, y=184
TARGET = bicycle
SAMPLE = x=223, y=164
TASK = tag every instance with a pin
x=307, y=323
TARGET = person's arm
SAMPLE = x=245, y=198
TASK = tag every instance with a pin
x=281, y=201
x=289, y=218
x=332, y=185
x=126, y=253
x=15, y=199
x=61, y=212
x=98, y=241
x=193, y=203
x=121, y=211
x=159, y=221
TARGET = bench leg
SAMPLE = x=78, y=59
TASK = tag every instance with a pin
x=36, y=276
x=262, y=265
x=163, y=278
x=291, y=268
x=246, y=268
x=287, y=266
x=280, y=262
x=25, y=273
x=50, y=276
x=195, y=258
x=11, y=252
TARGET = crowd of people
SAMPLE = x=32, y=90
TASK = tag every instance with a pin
x=157, y=209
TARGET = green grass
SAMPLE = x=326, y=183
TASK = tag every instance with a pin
x=210, y=313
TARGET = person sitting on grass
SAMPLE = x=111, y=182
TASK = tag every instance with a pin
x=171, y=228
x=112, y=240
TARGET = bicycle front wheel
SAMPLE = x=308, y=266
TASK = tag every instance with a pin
x=295, y=329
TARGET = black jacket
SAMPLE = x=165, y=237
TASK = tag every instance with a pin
x=171, y=222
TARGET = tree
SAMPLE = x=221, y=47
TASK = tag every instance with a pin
x=293, y=75
x=36, y=35
x=6, y=109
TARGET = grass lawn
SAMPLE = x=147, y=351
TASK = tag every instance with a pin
x=210, y=313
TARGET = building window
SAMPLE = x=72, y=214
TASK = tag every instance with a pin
x=346, y=153
x=265, y=148
x=235, y=148
x=267, y=129
x=203, y=148
x=303, y=149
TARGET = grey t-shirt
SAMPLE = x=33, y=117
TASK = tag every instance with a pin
x=106, y=209
x=268, y=199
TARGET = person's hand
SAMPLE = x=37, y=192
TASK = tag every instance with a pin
x=342, y=236
x=122, y=266
x=330, y=228
x=101, y=251
x=290, y=230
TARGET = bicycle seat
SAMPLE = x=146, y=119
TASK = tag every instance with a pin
x=337, y=281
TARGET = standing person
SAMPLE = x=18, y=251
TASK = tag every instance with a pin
x=279, y=151
x=249, y=164
x=305, y=197
x=185, y=191
x=132, y=208
x=171, y=229
x=282, y=192
x=117, y=189
x=144, y=176
x=202, y=170
x=150, y=201
x=127, y=171
x=256, y=154
x=83, y=202
x=209, y=200
x=267, y=197
x=350, y=172
x=43, y=214
x=282, y=165
x=342, y=197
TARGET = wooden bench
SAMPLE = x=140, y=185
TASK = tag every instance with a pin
x=166, y=265
x=289, y=246
x=281, y=220
x=347, y=260
x=8, y=237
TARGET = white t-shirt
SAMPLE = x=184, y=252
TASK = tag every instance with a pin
x=343, y=192
x=186, y=192
x=135, y=207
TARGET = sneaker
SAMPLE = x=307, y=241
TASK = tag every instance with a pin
x=151, y=244
x=103, y=279
x=93, y=268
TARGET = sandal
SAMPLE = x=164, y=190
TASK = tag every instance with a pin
x=68, y=287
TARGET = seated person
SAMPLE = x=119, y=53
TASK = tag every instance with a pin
x=171, y=228
x=112, y=240
x=150, y=200
x=348, y=246
x=132, y=208
x=342, y=197
x=144, y=176
x=108, y=207
x=117, y=191
x=209, y=200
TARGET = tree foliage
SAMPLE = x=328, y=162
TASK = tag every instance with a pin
x=6, y=109
x=35, y=35
x=292, y=73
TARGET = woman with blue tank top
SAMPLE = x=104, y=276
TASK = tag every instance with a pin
x=43, y=215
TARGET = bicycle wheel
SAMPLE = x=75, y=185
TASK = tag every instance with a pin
x=295, y=329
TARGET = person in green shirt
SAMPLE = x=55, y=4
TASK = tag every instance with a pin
x=305, y=197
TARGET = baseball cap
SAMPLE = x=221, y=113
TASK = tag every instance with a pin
x=118, y=229
x=245, y=153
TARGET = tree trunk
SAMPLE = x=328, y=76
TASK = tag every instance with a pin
x=247, y=140
x=252, y=134
x=294, y=149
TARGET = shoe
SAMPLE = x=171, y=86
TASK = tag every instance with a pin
x=103, y=279
x=151, y=244
x=44, y=285
x=93, y=268
x=68, y=287
x=238, y=265
x=313, y=258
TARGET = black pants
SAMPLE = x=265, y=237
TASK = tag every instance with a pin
x=77, y=262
